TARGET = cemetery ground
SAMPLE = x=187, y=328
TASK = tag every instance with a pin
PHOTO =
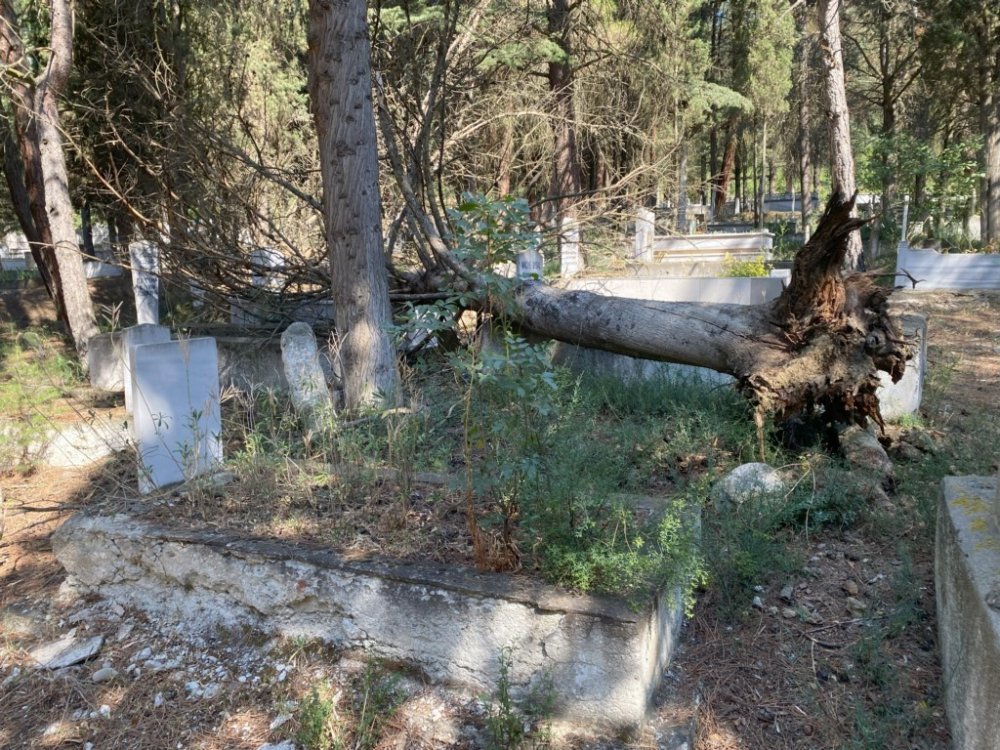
x=814, y=627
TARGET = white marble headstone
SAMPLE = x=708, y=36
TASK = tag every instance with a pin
x=132, y=337
x=177, y=423
x=145, y=257
x=644, y=232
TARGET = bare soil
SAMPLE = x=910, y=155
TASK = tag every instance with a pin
x=843, y=653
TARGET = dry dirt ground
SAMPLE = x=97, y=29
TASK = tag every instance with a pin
x=841, y=653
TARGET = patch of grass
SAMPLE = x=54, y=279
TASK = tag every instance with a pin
x=748, y=546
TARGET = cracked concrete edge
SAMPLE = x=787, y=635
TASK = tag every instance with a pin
x=604, y=668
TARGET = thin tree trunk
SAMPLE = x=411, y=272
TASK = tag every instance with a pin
x=991, y=138
x=39, y=136
x=835, y=94
x=726, y=173
x=566, y=181
x=341, y=99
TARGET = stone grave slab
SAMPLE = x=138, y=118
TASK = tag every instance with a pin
x=144, y=333
x=177, y=423
x=104, y=361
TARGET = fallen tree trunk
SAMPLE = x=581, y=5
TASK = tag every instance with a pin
x=815, y=350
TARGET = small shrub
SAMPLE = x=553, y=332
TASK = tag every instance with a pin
x=317, y=727
x=513, y=723
x=732, y=267
x=378, y=697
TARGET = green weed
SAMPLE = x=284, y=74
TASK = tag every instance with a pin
x=317, y=721
x=518, y=722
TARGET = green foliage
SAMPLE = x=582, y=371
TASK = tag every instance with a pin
x=35, y=373
x=741, y=268
x=518, y=723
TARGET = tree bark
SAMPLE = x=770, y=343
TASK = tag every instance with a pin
x=835, y=93
x=341, y=101
x=43, y=168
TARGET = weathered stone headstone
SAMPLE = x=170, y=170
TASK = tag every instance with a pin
x=530, y=264
x=104, y=361
x=176, y=418
x=644, y=232
x=569, y=248
x=132, y=337
x=145, y=257
x=243, y=313
x=306, y=382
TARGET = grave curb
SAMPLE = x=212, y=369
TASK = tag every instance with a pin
x=966, y=567
x=605, y=660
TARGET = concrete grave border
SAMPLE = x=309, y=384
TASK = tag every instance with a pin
x=935, y=270
x=604, y=659
x=967, y=583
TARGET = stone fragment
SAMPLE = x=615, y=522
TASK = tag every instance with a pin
x=757, y=603
x=746, y=483
x=66, y=651
x=856, y=606
x=788, y=613
x=284, y=745
x=850, y=587
x=106, y=674
x=787, y=594
x=863, y=451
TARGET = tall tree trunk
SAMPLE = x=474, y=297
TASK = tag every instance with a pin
x=721, y=181
x=835, y=94
x=43, y=167
x=566, y=181
x=341, y=100
x=991, y=180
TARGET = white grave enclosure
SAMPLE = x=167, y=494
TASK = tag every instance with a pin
x=177, y=422
x=131, y=338
x=145, y=258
